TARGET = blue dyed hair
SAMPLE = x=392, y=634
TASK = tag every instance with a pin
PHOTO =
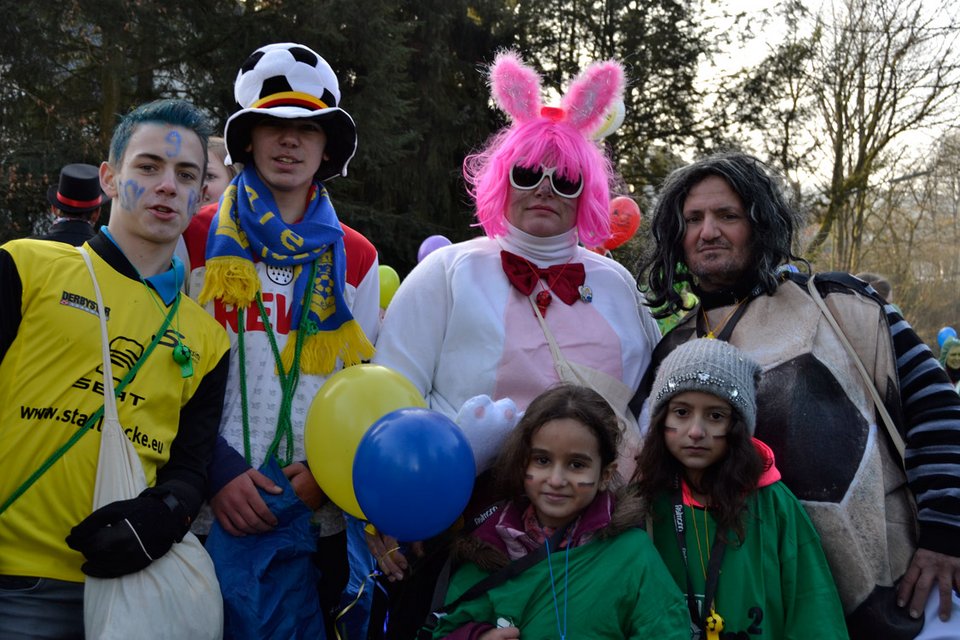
x=168, y=111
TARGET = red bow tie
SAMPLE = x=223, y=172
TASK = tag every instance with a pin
x=564, y=280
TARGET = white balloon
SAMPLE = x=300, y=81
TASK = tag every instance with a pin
x=612, y=122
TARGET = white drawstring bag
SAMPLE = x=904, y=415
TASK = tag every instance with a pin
x=177, y=596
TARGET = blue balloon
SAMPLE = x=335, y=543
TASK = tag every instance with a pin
x=946, y=332
x=413, y=473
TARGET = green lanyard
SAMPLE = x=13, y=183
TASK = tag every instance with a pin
x=97, y=415
x=288, y=380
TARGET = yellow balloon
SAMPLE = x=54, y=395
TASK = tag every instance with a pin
x=345, y=407
x=389, y=282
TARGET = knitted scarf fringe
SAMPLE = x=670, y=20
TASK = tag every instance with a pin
x=321, y=350
x=233, y=280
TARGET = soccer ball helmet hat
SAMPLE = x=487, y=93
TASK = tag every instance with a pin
x=290, y=81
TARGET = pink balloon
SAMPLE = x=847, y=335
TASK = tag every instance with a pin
x=430, y=245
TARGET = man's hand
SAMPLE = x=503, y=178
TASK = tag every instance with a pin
x=239, y=507
x=386, y=550
x=926, y=568
x=305, y=485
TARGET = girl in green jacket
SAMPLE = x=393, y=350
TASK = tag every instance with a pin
x=736, y=540
x=603, y=579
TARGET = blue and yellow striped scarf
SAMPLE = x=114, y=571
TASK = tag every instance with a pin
x=248, y=224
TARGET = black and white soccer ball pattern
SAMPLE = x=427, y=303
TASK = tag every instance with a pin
x=285, y=67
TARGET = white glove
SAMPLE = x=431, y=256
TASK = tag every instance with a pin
x=486, y=424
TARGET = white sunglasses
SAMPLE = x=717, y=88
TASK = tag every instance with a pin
x=527, y=179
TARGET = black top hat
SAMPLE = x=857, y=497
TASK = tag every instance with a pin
x=79, y=190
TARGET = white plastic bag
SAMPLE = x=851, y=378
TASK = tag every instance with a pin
x=175, y=597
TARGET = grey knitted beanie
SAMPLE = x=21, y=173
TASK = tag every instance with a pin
x=711, y=366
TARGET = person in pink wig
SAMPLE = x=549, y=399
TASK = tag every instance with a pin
x=525, y=306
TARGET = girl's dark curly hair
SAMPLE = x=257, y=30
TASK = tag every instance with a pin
x=773, y=221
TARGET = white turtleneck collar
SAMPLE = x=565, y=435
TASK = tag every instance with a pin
x=542, y=251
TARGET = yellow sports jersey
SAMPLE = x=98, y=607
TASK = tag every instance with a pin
x=51, y=381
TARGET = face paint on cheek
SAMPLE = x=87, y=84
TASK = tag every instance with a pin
x=528, y=476
x=586, y=484
x=130, y=194
x=193, y=202
x=173, y=144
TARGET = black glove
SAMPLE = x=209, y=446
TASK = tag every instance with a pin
x=125, y=536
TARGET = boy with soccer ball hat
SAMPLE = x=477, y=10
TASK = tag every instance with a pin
x=290, y=81
x=296, y=290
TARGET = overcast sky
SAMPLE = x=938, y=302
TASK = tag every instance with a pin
x=754, y=51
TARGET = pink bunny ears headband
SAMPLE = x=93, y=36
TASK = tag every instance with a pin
x=586, y=106
x=564, y=137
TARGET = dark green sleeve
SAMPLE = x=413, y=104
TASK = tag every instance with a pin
x=811, y=604
x=478, y=609
x=659, y=608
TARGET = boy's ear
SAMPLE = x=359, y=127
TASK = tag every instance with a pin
x=108, y=180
